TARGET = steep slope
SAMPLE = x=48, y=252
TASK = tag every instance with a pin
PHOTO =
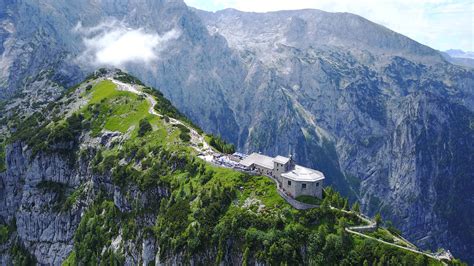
x=107, y=175
x=343, y=94
x=40, y=36
x=397, y=114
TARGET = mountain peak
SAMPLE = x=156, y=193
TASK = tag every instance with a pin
x=310, y=28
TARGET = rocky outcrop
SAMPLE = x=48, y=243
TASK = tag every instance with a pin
x=46, y=232
x=37, y=195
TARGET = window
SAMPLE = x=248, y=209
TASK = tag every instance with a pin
x=317, y=184
x=303, y=186
x=289, y=183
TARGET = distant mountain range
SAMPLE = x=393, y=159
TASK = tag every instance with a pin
x=389, y=120
x=460, y=54
x=460, y=57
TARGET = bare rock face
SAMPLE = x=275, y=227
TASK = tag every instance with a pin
x=34, y=196
x=387, y=119
x=46, y=232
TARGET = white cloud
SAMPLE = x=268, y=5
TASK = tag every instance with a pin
x=441, y=24
x=112, y=43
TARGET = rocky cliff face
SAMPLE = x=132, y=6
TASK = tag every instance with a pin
x=393, y=113
x=46, y=232
x=387, y=119
x=45, y=193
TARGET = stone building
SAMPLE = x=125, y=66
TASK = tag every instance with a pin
x=294, y=180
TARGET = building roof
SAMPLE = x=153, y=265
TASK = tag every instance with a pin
x=301, y=173
x=281, y=159
x=239, y=154
x=258, y=159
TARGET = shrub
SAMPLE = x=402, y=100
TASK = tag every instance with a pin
x=59, y=189
x=392, y=229
x=21, y=256
x=127, y=78
x=72, y=198
x=378, y=220
x=219, y=144
x=4, y=233
x=185, y=137
x=183, y=128
x=122, y=174
x=60, y=133
x=2, y=156
x=144, y=127
x=356, y=207
x=109, y=162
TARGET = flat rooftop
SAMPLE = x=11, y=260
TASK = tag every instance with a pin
x=301, y=173
x=258, y=159
x=281, y=159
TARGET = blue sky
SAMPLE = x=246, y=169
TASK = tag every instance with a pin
x=441, y=24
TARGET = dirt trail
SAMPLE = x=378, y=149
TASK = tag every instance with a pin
x=198, y=142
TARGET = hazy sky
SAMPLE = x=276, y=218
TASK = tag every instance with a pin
x=441, y=24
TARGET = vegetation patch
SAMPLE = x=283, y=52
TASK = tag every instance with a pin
x=219, y=144
x=4, y=233
x=21, y=256
x=3, y=166
x=70, y=260
x=98, y=226
x=166, y=108
x=58, y=136
x=144, y=127
x=308, y=199
x=59, y=190
x=114, y=110
x=102, y=90
x=382, y=234
x=73, y=198
x=184, y=132
x=51, y=186
x=127, y=78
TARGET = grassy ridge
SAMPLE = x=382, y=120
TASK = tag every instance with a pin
x=115, y=110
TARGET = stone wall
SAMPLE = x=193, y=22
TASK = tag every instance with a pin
x=296, y=189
